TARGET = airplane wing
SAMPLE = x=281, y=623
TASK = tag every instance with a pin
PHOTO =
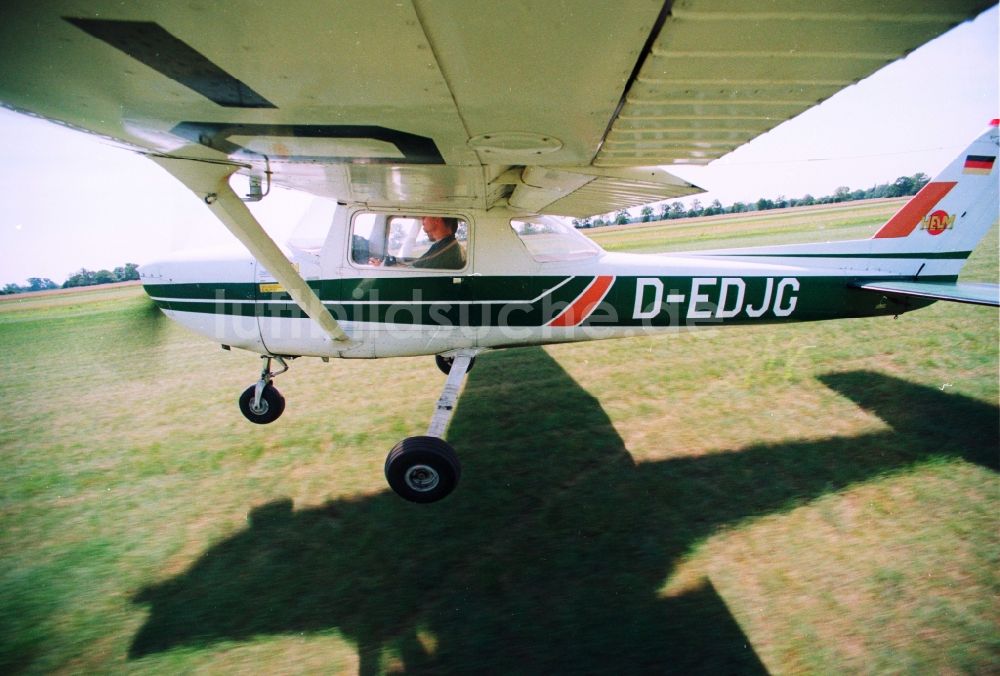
x=557, y=107
x=974, y=293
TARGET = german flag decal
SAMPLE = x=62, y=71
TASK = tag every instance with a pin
x=978, y=164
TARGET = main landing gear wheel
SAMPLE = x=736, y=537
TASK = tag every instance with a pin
x=271, y=406
x=422, y=469
x=444, y=363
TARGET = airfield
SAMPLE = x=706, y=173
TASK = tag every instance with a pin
x=806, y=498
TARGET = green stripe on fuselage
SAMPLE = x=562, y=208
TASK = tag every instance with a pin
x=639, y=301
x=507, y=301
x=215, y=291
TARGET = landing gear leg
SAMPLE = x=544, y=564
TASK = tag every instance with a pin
x=444, y=363
x=261, y=403
x=426, y=468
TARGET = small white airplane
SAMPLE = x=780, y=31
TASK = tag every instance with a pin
x=444, y=237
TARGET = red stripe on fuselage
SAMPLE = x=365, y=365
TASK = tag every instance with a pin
x=585, y=303
x=906, y=219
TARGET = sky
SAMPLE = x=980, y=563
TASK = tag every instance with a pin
x=72, y=201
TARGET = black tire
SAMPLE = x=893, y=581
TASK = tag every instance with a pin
x=272, y=405
x=444, y=363
x=422, y=469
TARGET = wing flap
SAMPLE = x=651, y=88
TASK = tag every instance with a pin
x=721, y=72
x=975, y=293
x=585, y=191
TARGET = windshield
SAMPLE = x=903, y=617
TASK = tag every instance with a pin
x=549, y=238
x=312, y=229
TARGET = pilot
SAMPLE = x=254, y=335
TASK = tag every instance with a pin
x=445, y=252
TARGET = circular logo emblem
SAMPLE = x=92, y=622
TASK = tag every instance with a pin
x=937, y=222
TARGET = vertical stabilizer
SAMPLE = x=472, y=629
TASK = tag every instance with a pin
x=953, y=212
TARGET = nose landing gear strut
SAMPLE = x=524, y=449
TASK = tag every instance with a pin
x=261, y=403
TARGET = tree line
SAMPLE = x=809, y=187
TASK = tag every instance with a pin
x=84, y=277
x=901, y=187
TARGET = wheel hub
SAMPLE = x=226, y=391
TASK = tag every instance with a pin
x=422, y=478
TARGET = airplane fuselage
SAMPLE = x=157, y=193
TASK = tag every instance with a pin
x=506, y=297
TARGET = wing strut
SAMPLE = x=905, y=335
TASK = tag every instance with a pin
x=210, y=182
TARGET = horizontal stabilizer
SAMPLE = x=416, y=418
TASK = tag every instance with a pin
x=967, y=292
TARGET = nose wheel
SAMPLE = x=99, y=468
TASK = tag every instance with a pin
x=261, y=403
x=265, y=410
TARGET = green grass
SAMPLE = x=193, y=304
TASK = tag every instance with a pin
x=807, y=498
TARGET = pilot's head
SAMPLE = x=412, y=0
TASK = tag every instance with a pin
x=439, y=227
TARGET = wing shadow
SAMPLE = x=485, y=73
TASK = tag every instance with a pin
x=550, y=556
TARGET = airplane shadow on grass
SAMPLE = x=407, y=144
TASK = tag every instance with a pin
x=551, y=554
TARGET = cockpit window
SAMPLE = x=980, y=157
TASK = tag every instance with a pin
x=422, y=242
x=548, y=238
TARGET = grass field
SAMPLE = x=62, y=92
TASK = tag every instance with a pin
x=811, y=498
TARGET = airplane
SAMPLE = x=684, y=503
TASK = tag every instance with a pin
x=449, y=140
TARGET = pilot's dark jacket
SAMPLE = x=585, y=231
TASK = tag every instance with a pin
x=444, y=254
